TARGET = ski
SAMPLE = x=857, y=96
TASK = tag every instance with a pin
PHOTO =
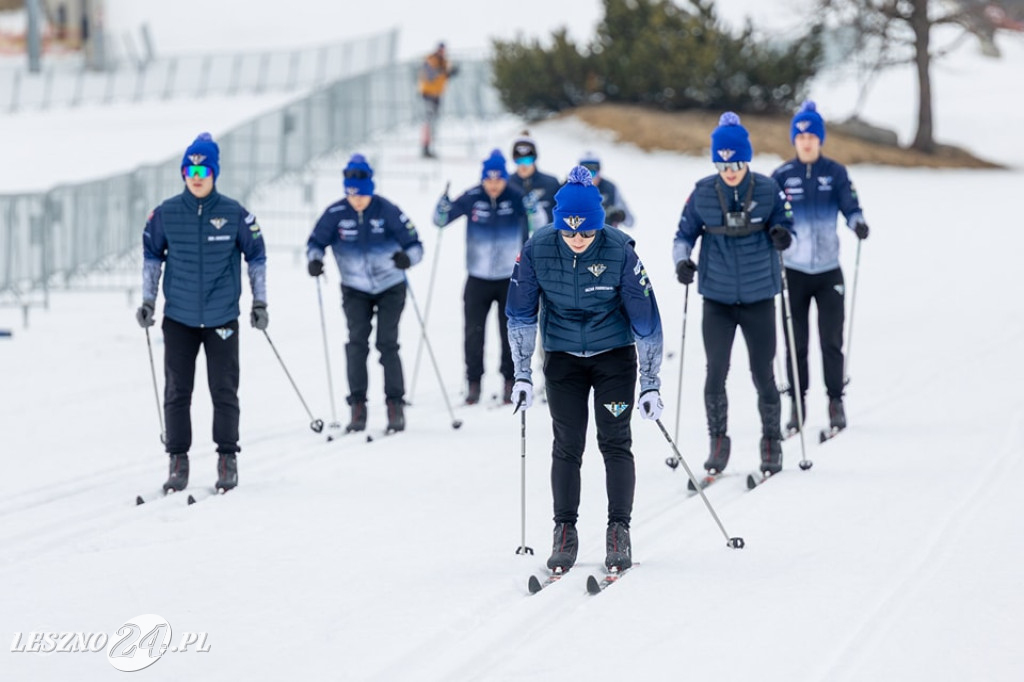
x=152, y=497
x=703, y=482
x=757, y=478
x=828, y=434
x=597, y=586
x=535, y=585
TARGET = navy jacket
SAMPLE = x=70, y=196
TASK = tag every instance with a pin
x=201, y=241
x=734, y=269
x=541, y=188
x=818, y=192
x=495, y=229
x=364, y=243
x=592, y=302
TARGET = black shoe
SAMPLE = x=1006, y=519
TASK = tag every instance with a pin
x=721, y=447
x=793, y=425
x=564, y=547
x=473, y=395
x=836, y=413
x=428, y=154
x=620, y=552
x=227, y=471
x=178, y=478
x=358, y=422
x=771, y=455
x=396, y=414
x=507, y=397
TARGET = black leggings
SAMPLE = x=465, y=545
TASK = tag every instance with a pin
x=826, y=289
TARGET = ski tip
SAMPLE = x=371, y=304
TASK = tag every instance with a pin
x=139, y=500
x=191, y=500
x=533, y=585
x=691, y=487
x=751, y=481
x=593, y=587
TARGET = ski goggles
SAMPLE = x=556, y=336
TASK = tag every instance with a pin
x=356, y=174
x=526, y=160
x=586, y=234
x=197, y=171
x=592, y=166
x=735, y=166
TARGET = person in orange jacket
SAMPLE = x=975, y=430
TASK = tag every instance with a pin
x=433, y=78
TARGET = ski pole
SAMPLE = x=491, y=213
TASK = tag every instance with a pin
x=787, y=310
x=853, y=303
x=316, y=424
x=734, y=542
x=682, y=351
x=780, y=381
x=426, y=307
x=327, y=356
x=456, y=423
x=156, y=391
x=522, y=549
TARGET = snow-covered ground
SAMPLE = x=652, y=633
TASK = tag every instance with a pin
x=894, y=558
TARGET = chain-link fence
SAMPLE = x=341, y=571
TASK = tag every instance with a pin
x=53, y=239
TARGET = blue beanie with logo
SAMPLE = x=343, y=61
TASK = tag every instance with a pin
x=494, y=166
x=578, y=203
x=730, y=140
x=358, y=176
x=203, y=152
x=807, y=120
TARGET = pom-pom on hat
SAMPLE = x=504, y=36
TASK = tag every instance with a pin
x=203, y=152
x=578, y=203
x=358, y=176
x=494, y=167
x=730, y=140
x=524, y=147
x=807, y=120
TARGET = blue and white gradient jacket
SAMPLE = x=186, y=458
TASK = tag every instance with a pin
x=201, y=241
x=734, y=269
x=593, y=302
x=818, y=192
x=495, y=229
x=364, y=243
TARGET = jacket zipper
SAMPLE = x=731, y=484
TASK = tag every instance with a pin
x=199, y=289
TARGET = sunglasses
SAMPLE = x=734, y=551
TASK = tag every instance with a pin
x=586, y=234
x=723, y=166
x=356, y=174
x=197, y=171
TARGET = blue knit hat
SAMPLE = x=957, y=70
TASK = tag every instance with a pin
x=730, y=140
x=578, y=203
x=807, y=120
x=203, y=152
x=358, y=176
x=494, y=166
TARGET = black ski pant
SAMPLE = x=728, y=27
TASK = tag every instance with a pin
x=569, y=380
x=359, y=308
x=827, y=290
x=479, y=296
x=757, y=322
x=181, y=348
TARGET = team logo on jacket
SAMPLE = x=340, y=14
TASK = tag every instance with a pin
x=574, y=221
x=197, y=159
x=726, y=154
x=218, y=222
x=616, y=408
x=825, y=183
x=596, y=269
x=224, y=333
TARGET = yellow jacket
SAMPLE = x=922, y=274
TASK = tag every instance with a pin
x=433, y=76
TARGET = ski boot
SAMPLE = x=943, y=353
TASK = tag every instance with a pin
x=178, y=478
x=619, y=551
x=396, y=415
x=227, y=471
x=473, y=394
x=506, y=397
x=358, y=421
x=564, y=547
x=721, y=446
x=771, y=455
x=836, y=414
x=793, y=425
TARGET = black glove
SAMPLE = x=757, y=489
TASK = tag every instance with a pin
x=685, y=271
x=860, y=228
x=616, y=216
x=259, y=318
x=453, y=70
x=315, y=267
x=781, y=238
x=402, y=260
x=144, y=315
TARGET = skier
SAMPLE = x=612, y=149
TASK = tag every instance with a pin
x=529, y=180
x=599, y=314
x=497, y=219
x=432, y=80
x=743, y=221
x=201, y=235
x=618, y=213
x=373, y=242
x=818, y=189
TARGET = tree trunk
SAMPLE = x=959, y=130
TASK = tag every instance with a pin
x=924, y=140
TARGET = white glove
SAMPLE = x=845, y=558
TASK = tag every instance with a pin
x=650, y=405
x=522, y=395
